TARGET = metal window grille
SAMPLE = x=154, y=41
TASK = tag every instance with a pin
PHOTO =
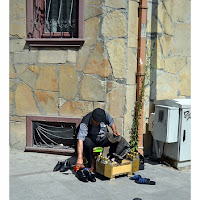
x=53, y=18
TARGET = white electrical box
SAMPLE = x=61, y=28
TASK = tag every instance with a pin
x=166, y=124
x=172, y=129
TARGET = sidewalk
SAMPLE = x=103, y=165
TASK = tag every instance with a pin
x=32, y=178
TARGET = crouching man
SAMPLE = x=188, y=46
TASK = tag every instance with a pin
x=92, y=133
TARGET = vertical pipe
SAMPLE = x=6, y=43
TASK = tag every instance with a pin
x=141, y=60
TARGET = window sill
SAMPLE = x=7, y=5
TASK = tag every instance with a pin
x=55, y=42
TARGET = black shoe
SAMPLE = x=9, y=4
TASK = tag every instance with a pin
x=58, y=166
x=66, y=165
x=81, y=176
x=90, y=175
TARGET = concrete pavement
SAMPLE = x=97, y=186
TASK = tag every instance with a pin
x=32, y=178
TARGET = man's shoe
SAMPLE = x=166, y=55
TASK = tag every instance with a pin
x=81, y=176
x=58, y=166
x=145, y=181
x=89, y=174
x=66, y=165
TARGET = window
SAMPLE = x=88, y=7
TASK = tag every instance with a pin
x=55, y=22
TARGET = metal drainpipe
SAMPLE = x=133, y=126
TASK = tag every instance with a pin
x=141, y=60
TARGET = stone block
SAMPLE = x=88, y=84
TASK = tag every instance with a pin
x=16, y=45
x=116, y=3
x=182, y=39
x=97, y=63
x=99, y=105
x=174, y=64
x=48, y=101
x=11, y=72
x=185, y=81
x=17, y=8
x=153, y=26
x=130, y=108
x=116, y=50
x=17, y=137
x=71, y=56
x=166, y=42
x=52, y=56
x=179, y=10
x=47, y=79
x=91, y=31
x=166, y=86
x=76, y=108
x=92, y=8
x=132, y=67
x=133, y=24
x=83, y=54
x=165, y=20
x=114, y=25
x=119, y=125
x=26, y=57
x=61, y=102
x=92, y=89
x=29, y=78
x=34, y=68
x=115, y=102
x=68, y=82
x=24, y=101
x=18, y=28
x=20, y=69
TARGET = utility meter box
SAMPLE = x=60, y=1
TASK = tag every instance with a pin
x=166, y=124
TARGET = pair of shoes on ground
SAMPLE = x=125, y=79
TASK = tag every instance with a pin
x=85, y=175
x=138, y=179
x=62, y=166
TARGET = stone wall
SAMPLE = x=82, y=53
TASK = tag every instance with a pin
x=168, y=55
x=72, y=82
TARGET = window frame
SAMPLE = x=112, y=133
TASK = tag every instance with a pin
x=56, y=41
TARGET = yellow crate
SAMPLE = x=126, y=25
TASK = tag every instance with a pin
x=114, y=169
x=135, y=165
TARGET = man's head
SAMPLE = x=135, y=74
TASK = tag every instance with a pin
x=98, y=116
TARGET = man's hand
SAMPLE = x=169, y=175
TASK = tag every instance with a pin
x=116, y=133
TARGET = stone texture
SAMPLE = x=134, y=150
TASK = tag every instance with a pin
x=16, y=45
x=71, y=56
x=18, y=27
x=20, y=69
x=132, y=67
x=52, y=56
x=179, y=10
x=92, y=8
x=173, y=65
x=130, y=108
x=47, y=79
x=99, y=105
x=133, y=24
x=26, y=57
x=119, y=125
x=185, y=81
x=166, y=42
x=82, y=57
x=11, y=99
x=11, y=72
x=91, y=31
x=76, y=108
x=24, y=101
x=165, y=20
x=157, y=60
x=29, y=78
x=68, y=82
x=115, y=102
x=114, y=25
x=153, y=25
x=97, y=63
x=116, y=51
x=61, y=102
x=17, y=137
x=92, y=89
x=17, y=8
x=182, y=39
x=166, y=86
x=34, y=68
x=116, y=4
x=48, y=101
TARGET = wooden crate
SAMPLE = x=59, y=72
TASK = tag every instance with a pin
x=114, y=169
x=135, y=165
